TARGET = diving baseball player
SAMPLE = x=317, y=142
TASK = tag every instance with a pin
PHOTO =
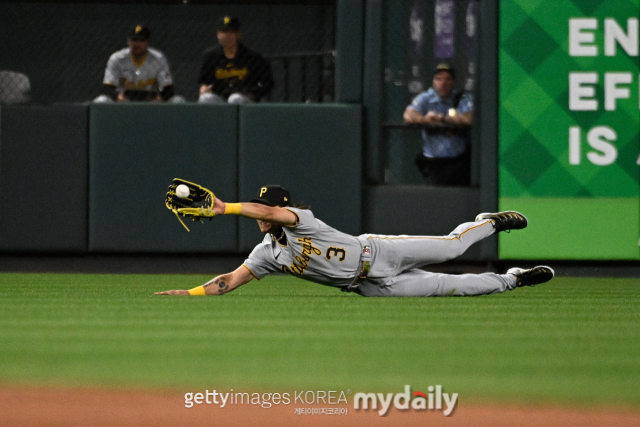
x=138, y=73
x=299, y=244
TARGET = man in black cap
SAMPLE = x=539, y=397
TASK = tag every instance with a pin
x=138, y=72
x=445, y=156
x=231, y=72
x=298, y=243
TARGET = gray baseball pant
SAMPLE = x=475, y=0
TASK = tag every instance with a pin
x=395, y=260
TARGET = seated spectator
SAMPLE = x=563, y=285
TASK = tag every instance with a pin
x=138, y=73
x=445, y=158
x=231, y=72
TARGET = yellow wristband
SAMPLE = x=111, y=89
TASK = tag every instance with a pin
x=232, y=209
x=197, y=291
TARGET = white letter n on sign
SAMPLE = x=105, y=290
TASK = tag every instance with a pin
x=613, y=33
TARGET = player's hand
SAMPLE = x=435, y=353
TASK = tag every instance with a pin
x=219, y=206
x=174, y=292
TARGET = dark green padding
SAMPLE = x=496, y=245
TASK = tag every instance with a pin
x=315, y=151
x=43, y=178
x=135, y=152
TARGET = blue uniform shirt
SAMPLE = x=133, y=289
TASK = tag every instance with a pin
x=441, y=143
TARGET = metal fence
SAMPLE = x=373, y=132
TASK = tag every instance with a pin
x=419, y=35
x=303, y=77
x=57, y=52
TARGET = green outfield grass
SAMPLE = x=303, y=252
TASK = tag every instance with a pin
x=571, y=341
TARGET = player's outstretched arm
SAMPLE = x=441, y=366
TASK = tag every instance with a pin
x=218, y=285
x=272, y=214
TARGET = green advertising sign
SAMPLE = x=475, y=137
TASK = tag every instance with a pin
x=570, y=127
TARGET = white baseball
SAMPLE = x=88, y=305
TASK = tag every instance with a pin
x=182, y=191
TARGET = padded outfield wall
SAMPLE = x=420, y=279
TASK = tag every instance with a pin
x=569, y=128
x=93, y=178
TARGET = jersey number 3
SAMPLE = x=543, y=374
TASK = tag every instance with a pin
x=336, y=252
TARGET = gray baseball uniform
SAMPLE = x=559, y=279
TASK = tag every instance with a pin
x=151, y=75
x=317, y=252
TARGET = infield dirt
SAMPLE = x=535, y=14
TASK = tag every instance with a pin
x=22, y=406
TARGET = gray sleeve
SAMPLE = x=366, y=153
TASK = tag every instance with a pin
x=260, y=261
x=111, y=73
x=164, y=74
x=307, y=223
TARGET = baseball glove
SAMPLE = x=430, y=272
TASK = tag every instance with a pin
x=197, y=205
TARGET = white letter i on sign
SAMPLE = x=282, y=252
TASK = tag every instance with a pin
x=574, y=145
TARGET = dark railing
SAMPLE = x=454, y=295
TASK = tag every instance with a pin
x=303, y=77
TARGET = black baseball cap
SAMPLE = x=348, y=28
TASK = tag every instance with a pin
x=140, y=32
x=273, y=195
x=229, y=23
x=445, y=67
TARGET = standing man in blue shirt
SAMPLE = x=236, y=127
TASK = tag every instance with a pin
x=445, y=157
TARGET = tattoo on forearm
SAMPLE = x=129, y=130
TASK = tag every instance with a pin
x=211, y=282
x=221, y=282
x=223, y=287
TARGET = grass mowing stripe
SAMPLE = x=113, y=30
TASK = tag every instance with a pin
x=572, y=340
